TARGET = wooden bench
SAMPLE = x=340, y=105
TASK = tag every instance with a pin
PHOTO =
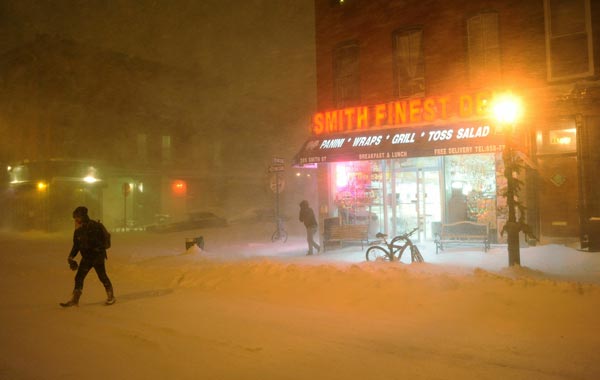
x=462, y=234
x=346, y=233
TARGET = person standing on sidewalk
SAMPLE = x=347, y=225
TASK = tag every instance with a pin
x=307, y=216
x=91, y=240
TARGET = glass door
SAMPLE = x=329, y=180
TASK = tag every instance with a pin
x=406, y=212
x=430, y=204
x=415, y=198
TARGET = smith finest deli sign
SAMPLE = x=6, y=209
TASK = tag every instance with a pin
x=401, y=143
x=407, y=112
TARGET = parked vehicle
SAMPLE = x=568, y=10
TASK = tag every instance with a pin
x=201, y=219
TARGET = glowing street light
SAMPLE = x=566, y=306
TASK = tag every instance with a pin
x=507, y=109
x=92, y=175
x=90, y=179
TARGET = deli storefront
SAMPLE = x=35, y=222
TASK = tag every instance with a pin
x=417, y=162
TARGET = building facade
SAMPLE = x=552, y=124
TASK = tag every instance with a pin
x=140, y=140
x=87, y=126
x=409, y=129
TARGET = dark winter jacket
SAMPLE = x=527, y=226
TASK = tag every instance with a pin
x=88, y=239
x=307, y=216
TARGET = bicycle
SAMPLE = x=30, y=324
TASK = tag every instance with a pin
x=394, y=250
x=280, y=233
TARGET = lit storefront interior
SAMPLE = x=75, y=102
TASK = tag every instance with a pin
x=397, y=195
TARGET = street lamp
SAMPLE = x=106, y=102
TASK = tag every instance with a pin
x=507, y=110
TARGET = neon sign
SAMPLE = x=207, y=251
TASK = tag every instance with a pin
x=408, y=112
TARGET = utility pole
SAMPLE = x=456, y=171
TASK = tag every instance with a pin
x=512, y=227
x=507, y=110
x=126, y=191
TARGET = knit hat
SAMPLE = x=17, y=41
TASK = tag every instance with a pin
x=80, y=212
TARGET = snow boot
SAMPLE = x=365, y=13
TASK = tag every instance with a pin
x=110, y=296
x=74, y=301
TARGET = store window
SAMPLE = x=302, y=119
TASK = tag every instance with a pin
x=484, y=48
x=391, y=196
x=569, y=49
x=346, y=74
x=395, y=196
x=409, y=65
x=470, y=187
x=357, y=190
x=562, y=139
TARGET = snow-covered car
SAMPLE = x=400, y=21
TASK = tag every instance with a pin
x=201, y=219
x=257, y=215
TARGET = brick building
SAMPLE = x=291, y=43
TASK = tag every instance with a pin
x=404, y=132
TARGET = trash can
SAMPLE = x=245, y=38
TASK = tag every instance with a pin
x=199, y=241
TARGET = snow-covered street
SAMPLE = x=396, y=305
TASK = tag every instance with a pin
x=246, y=308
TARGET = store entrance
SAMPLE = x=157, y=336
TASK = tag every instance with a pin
x=395, y=196
x=560, y=217
x=415, y=194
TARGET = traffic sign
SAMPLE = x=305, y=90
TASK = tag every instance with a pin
x=276, y=168
x=277, y=184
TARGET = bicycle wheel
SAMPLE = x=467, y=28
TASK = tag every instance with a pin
x=279, y=235
x=400, y=251
x=397, y=251
x=276, y=236
x=377, y=254
x=415, y=255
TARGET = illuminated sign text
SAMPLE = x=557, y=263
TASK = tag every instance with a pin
x=402, y=113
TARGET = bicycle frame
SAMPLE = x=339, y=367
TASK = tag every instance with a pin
x=392, y=250
x=280, y=233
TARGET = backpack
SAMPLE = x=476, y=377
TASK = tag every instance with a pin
x=105, y=235
x=98, y=237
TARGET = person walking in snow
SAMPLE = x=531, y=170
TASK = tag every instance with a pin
x=307, y=216
x=91, y=240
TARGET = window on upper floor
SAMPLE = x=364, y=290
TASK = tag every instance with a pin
x=569, y=49
x=483, y=49
x=409, y=65
x=346, y=78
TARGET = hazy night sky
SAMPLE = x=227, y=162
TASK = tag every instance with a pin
x=198, y=35
x=255, y=60
x=256, y=51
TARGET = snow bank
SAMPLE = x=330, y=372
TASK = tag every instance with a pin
x=246, y=308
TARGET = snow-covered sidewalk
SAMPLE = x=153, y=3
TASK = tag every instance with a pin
x=247, y=308
x=551, y=261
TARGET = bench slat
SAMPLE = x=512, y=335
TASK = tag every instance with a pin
x=347, y=232
x=463, y=233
